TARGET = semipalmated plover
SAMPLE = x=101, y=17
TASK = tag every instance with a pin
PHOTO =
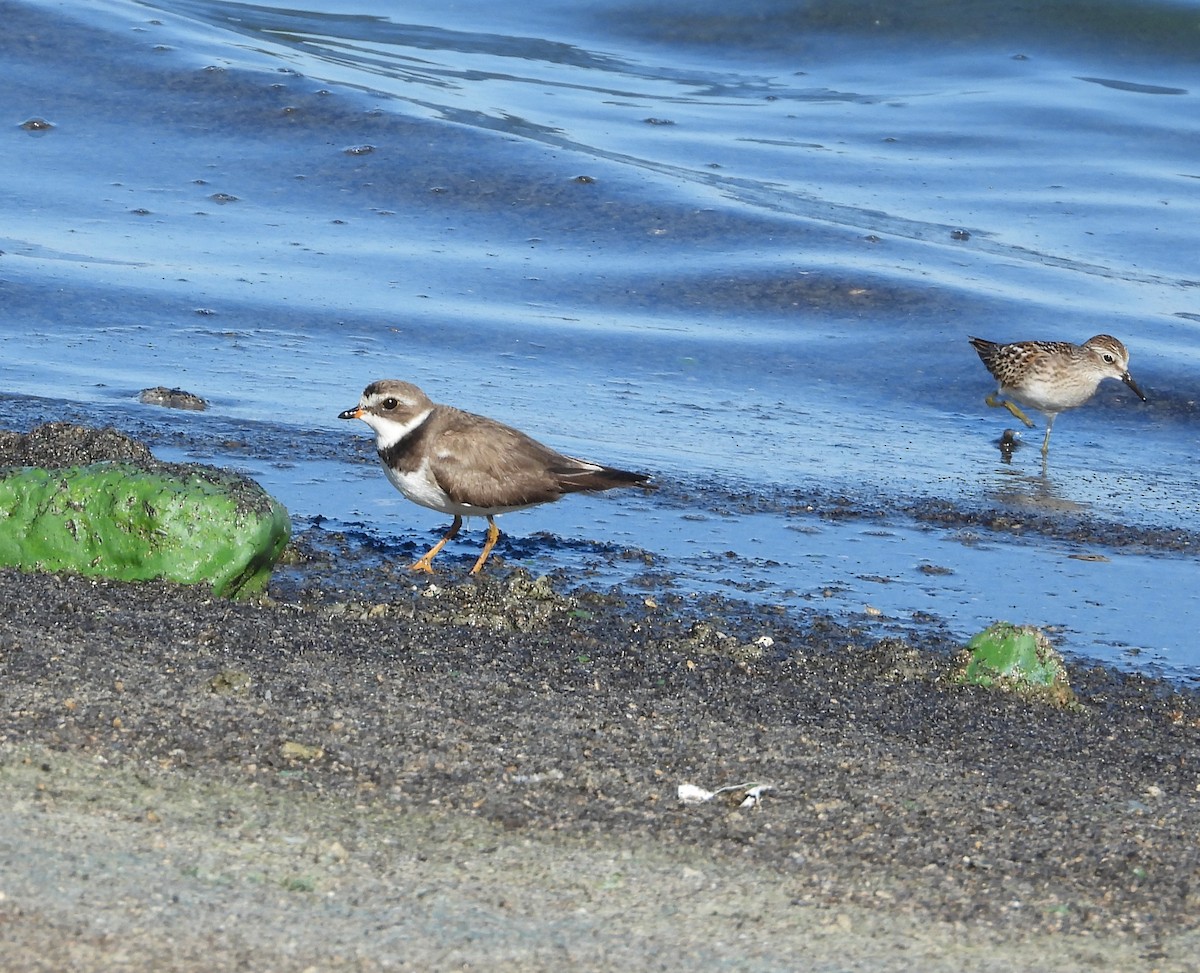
x=466, y=465
x=1051, y=376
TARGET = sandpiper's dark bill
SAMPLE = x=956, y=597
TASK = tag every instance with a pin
x=466, y=465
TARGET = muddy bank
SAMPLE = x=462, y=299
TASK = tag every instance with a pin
x=366, y=771
x=332, y=753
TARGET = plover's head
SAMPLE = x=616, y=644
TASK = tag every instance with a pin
x=1112, y=360
x=392, y=408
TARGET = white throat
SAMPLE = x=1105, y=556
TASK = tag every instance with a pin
x=388, y=432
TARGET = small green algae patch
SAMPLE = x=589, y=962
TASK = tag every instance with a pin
x=1018, y=659
x=136, y=521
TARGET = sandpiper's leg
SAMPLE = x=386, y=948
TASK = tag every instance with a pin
x=426, y=562
x=1046, y=441
x=997, y=403
x=492, y=537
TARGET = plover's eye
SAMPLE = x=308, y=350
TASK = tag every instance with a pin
x=390, y=403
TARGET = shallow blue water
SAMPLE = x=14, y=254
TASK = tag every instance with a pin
x=792, y=217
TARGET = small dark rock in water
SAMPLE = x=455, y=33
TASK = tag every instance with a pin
x=959, y=235
x=37, y=125
x=1009, y=441
x=658, y=121
x=172, y=399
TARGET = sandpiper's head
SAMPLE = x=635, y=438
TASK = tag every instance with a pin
x=392, y=408
x=1112, y=360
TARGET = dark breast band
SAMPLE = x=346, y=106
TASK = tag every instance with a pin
x=403, y=454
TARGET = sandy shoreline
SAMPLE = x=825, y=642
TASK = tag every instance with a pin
x=369, y=771
x=484, y=773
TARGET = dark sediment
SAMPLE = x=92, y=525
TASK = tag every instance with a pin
x=567, y=720
x=58, y=444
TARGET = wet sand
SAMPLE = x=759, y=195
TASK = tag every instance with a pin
x=368, y=771
x=484, y=773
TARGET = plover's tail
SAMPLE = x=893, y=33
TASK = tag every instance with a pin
x=593, y=476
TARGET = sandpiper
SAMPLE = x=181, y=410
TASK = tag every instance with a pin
x=466, y=465
x=1051, y=376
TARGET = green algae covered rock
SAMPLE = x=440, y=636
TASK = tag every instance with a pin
x=135, y=521
x=1019, y=659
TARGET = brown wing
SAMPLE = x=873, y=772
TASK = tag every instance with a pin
x=485, y=463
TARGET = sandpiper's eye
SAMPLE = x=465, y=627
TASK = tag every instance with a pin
x=1109, y=358
x=390, y=403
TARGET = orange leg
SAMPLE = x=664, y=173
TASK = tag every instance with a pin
x=426, y=562
x=492, y=537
